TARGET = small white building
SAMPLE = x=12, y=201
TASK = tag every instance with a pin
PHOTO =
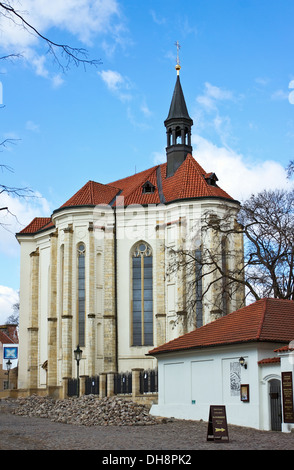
x=238, y=361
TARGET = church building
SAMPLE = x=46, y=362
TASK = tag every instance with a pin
x=94, y=273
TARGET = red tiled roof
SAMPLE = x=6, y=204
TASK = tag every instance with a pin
x=37, y=224
x=131, y=188
x=265, y=320
x=92, y=194
x=285, y=348
x=188, y=182
x=4, y=338
x=270, y=360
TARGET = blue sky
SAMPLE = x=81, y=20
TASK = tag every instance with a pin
x=106, y=122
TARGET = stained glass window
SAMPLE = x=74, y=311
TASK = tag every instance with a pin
x=142, y=288
x=81, y=294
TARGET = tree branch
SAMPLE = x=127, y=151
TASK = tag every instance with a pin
x=74, y=55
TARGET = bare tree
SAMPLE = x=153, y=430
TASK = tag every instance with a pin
x=70, y=55
x=63, y=54
x=290, y=169
x=261, y=266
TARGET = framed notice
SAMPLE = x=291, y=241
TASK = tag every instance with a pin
x=10, y=352
x=217, y=424
x=244, y=392
x=287, y=388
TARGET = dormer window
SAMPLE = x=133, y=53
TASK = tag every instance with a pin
x=211, y=179
x=148, y=188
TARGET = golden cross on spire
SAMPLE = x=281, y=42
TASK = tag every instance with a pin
x=178, y=67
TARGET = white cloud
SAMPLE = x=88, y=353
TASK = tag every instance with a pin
x=31, y=126
x=158, y=20
x=262, y=81
x=212, y=94
x=117, y=84
x=238, y=176
x=57, y=81
x=279, y=95
x=21, y=211
x=84, y=19
x=8, y=297
x=145, y=110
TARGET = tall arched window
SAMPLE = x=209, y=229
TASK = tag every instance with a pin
x=81, y=294
x=225, y=285
x=61, y=284
x=198, y=274
x=142, y=290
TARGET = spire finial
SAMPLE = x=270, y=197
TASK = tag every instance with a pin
x=178, y=67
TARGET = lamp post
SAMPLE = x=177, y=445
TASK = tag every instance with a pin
x=8, y=365
x=78, y=356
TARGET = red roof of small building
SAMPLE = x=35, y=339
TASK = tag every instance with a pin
x=270, y=360
x=188, y=182
x=270, y=320
x=8, y=334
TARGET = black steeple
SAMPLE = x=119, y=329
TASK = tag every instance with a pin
x=178, y=129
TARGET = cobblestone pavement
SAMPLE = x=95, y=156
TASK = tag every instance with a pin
x=177, y=437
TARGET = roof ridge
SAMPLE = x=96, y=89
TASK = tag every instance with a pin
x=150, y=170
x=262, y=318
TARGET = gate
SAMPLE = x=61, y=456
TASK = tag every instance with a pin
x=92, y=385
x=123, y=383
x=72, y=387
x=275, y=405
x=149, y=381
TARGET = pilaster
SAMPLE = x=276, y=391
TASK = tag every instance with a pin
x=52, y=319
x=91, y=330
x=160, y=316
x=33, y=329
x=109, y=317
x=67, y=344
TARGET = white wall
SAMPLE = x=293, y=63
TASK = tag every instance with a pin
x=189, y=382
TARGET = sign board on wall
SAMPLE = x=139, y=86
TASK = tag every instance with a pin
x=287, y=388
x=10, y=353
x=217, y=424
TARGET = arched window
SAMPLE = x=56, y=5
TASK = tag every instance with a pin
x=198, y=274
x=81, y=294
x=142, y=295
x=61, y=284
x=225, y=287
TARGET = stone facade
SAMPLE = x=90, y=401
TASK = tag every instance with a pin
x=108, y=285
x=80, y=283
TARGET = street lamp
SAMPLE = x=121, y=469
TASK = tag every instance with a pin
x=242, y=362
x=8, y=366
x=78, y=356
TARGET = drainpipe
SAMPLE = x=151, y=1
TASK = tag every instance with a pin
x=115, y=289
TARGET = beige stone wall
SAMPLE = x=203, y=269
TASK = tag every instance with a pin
x=103, y=336
x=67, y=316
x=109, y=317
x=160, y=313
x=33, y=329
x=52, y=318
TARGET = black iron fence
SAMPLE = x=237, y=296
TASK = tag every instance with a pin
x=92, y=385
x=123, y=383
x=72, y=387
x=149, y=381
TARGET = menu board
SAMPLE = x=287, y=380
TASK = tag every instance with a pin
x=287, y=387
x=217, y=424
